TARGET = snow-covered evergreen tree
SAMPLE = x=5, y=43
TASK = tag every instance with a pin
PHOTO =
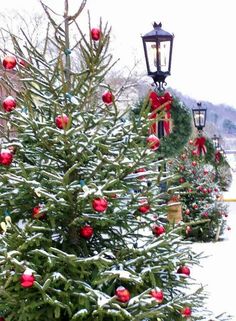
x=82, y=237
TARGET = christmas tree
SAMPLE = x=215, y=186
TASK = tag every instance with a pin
x=84, y=234
x=203, y=214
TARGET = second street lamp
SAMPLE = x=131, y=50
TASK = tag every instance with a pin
x=216, y=141
x=199, y=116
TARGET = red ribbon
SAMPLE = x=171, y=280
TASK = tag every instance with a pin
x=217, y=157
x=156, y=103
x=200, y=144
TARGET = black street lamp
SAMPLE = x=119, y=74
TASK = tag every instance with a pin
x=199, y=116
x=157, y=46
x=216, y=141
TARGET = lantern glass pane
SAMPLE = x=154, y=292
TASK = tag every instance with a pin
x=199, y=117
x=164, y=55
x=152, y=56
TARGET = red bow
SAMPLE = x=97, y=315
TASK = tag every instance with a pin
x=157, y=103
x=200, y=144
x=217, y=157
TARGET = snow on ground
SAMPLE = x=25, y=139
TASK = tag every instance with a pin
x=218, y=271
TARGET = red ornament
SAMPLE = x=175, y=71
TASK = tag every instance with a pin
x=153, y=142
x=107, y=97
x=95, y=34
x=9, y=104
x=187, y=211
x=205, y=172
x=2, y=319
x=182, y=180
x=27, y=279
x=194, y=163
x=158, y=230
x=140, y=170
x=145, y=207
x=183, y=269
x=181, y=168
x=195, y=206
x=205, y=214
x=186, y=312
x=36, y=213
x=188, y=230
x=122, y=294
x=195, y=152
x=9, y=62
x=6, y=157
x=86, y=232
x=61, y=121
x=100, y=204
x=157, y=295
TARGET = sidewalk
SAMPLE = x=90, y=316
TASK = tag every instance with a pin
x=218, y=271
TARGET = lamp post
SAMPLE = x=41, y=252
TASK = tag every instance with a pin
x=216, y=141
x=199, y=116
x=157, y=45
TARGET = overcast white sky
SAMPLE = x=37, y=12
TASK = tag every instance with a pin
x=204, y=53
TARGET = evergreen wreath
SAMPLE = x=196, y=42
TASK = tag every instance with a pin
x=172, y=144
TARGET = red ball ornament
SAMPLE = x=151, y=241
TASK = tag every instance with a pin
x=194, y=163
x=95, y=34
x=195, y=206
x=122, y=294
x=107, y=97
x=61, y=121
x=9, y=62
x=157, y=295
x=6, y=157
x=36, y=212
x=182, y=180
x=153, y=142
x=181, y=168
x=27, y=279
x=144, y=208
x=140, y=170
x=86, y=232
x=158, y=230
x=9, y=104
x=194, y=152
x=183, y=269
x=187, y=211
x=100, y=204
x=188, y=230
x=186, y=312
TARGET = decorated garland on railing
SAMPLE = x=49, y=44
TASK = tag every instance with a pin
x=176, y=117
